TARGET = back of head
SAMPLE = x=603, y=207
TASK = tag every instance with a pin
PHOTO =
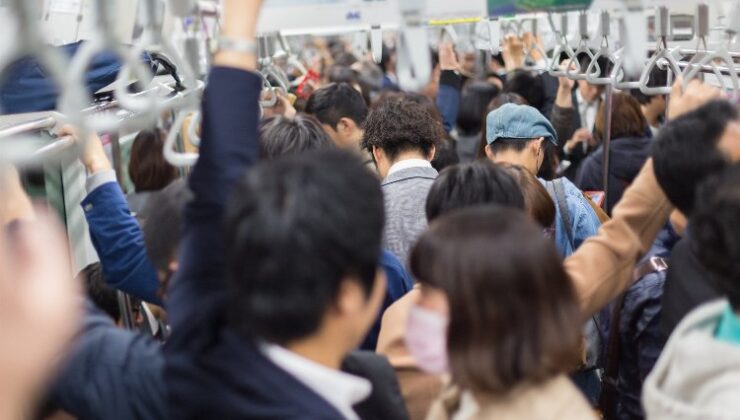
x=397, y=125
x=528, y=86
x=513, y=313
x=472, y=184
x=296, y=228
x=281, y=136
x=473, y=105
x=147, y=168
x=102, y=295
x=162, y=224
x=537, y=200
x=658, y=78
x=685, y=152
x=336, y=101
x=715, y=230
x=627, y=118
x=497, y=102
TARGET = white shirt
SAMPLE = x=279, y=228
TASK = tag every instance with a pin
x=409, y=163
x=587, y=111
x=339, y=389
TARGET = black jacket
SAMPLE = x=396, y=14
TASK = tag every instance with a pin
x=688, y=285
x=628, y=155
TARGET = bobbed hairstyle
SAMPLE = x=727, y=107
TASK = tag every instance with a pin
x=296, y=228
x=685, y=152
x=397, y=125
x=627, y=118
x=715, y=231
x=281, y=136
x=473, y=104
x=512, y=321
x=147, y=167
x=472, y=184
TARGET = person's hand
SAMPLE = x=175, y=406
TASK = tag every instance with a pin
x=513, y=52
x=283, y=107
x=580, y=137
x=564, y=97
x=93, y=156
x=447, y=57
x=14, y=202
x=239, y=21
x=695, y=95
x=530, y=43
x=40, y=307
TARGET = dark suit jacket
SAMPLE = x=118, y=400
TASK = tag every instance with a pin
x=386, y=401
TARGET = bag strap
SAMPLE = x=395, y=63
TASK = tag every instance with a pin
x=608, y=400
x=556, y=188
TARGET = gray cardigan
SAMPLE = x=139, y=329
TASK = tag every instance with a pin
x=405, y=194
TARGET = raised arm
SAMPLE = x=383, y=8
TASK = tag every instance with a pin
x=229, y=146
x=450, y=84
x=115, y=233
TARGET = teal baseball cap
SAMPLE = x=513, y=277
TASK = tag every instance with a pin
x=524, y=122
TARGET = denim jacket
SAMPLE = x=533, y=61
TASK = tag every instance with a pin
x=584, y=221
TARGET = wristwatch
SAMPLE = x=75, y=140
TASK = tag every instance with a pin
x=239, y=45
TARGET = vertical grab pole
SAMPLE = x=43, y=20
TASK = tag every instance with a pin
x=607, y=140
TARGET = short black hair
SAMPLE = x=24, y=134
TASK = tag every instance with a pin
x=473, y=105
x=685, y=152
x=296, y=227
x=162, y=223
x=505, y=144
x=98, y=291
x=281, y=136
x=336, y=101
x=715, y=230
x=658, y=78
x=471, y=184
x=398, y=125
x=528, y=86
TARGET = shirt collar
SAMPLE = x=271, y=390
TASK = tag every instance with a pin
x=407, y=164
x=582, y=102
x=729, y=327
x=340, y=389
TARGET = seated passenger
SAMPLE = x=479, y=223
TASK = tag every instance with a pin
x=698, y=374
x=505, y=329
x=402, y=136
x=629, y=149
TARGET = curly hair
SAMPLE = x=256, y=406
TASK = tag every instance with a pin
x=398, y=125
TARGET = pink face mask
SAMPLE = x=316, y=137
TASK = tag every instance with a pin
x=426, y=339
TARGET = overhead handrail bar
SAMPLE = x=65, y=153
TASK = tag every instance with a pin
x=662, y=52
x=593, y=72
x=554, y=68
x=105, y=40
x=710, y=58
x=44, y=123
x=574, y=70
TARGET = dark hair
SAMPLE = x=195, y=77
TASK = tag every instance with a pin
x=162, y=223
x=473, y=105
x=528, y=86
x=715, y=230
x=341, y=74
x=281, y=136
x=496, y=103
x=472, y=184
x=446, y=155
x=385, y=57
x=685, y=152
x=147, y=167
x=658, y=78
x=397, y=125
x=336, y=101
x=627, y=118
x=102, y=295
x=296, y=227
x=537, y=200
x=512, y=320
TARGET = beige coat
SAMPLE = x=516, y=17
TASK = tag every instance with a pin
x=600, y=269
x=557, y=399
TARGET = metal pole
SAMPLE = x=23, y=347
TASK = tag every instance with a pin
x=26, y=127
x=607, y=140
